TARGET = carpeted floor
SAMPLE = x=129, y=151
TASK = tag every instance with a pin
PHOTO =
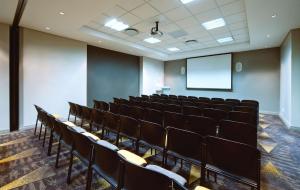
x=25, y=165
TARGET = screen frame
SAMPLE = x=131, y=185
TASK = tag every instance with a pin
x=210, y=89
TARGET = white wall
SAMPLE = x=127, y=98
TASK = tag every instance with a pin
x=4, y=77
x=54, y=72
x=285, y=80
x=152, y=75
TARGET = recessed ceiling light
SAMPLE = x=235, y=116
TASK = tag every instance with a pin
x=116, y=25
x=220, y=22
x=61, y=13
x=274, y=15
x=268, y=35
x=186, y=1
x=48, y=28
x=224, y=40
x=173, y=49
x=152, y=40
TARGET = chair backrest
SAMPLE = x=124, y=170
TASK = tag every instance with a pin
x=171, y=96
x=247, y=104
x=172, y=119
x=201, y=125
x=224, y=107
x=157, y=106
x=124, y=101
x=66, y=134
x=97, y=117
x=125, y=110
x=106, y=162
x=232, y=100
x=238, y=131
x=215, y=114
x=246, y=109
x=72, y=108
x=111, y=121
x=155, y=116
x=172, y=108
x=188, y=103
x=101, y=105
x=129, y=126
x=243, y=117
x=82, y=145
x=251, y=102
x=184, y=143
x=218, y=99
x=164, y=95
x=54, y=123
x=180, y=97
x=86, y=113
x=152, y=133
x=116, y=100
x=78, y=110
x=191, y=110
x=203, y=105
x=114, y=108
x=233, y=157
x=145, y=97
x=192, y=98
x=136, y=112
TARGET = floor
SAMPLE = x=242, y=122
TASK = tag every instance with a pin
x=25, y=165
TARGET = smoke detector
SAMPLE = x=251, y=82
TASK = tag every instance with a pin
x=155, y=31
x=131, y=32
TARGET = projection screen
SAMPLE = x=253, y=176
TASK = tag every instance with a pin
x=210, y=72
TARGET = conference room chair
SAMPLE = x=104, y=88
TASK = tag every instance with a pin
x=218, y=99
x=124, y=101
x=180, y=97
x=145, y=97
x=215, y=114
x=48, y=125
x=152, y=135
x=129, y=128
x=238, y=131
x=114, y=108
x=247, y=109
x=185, y=145
x=203, y=105
x=124, y=110
x=136, y=112
x=38, y=117
x=231, y=103
x=164, y=96
x=145, y=104
x=81, y=148
x=172, y=108
x=78, y=113
x=101, y=105
x=86, y=116
x=249, y=104
x=163, y=100
x=243, y=117
x=155, y=116
x=132, y=98
x=188, y=103
x=201, y=125
x=157, y=106
x=191, y=110
x=110, y=124
x=232, y=100
x=192, y=98
x=173, y=119
x=171, y=96
x=97, y=117
x=224, y=107
x=237, y=161
x=204, y=99
x=72, y=111
x=43, y=115
x=134, y=103
x=105, y=162
x=174, y=101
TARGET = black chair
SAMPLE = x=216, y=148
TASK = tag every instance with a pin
x=203, y=105
x=110, y=123
x=152, y=135
x=145, y=97
x=38, y=117
x=124, y=110
x=114, y=108
x=247, y=109
x=129, y=127
x=157, y=106
x=192, y=98
x=172, y=108
x=232, y=100
x=238, y=131
x=188, y=103
x=116, y=100
x=224, y=107
x=234, y=160
x=106, y=163
x=97, y=117
x=201, y=125
x=243, y=117
x=191, y=110
x=54, y=133
x=172, y=119
x=217, y=99
x=204, y=100
x=171, y=96
x=124, y=101
x=72, y=111
x=78, y=112
x=86, y=116
x=154, y=116
x=101, y=105
x=136, y=112
x=215, y=114
x=180, y=97
x=251, y=102
x=43, y=115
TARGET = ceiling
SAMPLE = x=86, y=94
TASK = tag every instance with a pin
x=249, y=22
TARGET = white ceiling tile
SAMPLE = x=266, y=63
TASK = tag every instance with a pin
x=191, y=21
x=169, y=28
x=242, y=31
x=165, y=5
x=236, y=18
x=195, y=29
x=178, y=13
x=143, y=27
x=199, y=6
x=102, y=19
x=237, y=25
x=130, y=19
x=205, y=39
x=222, y=35
x=116, y=11
x=209, y=15
x=223, y=2
x=163, y=20
x=212, y=43
x=218, y=31
x=130, y=4
x=145, y=11
x=232, y=8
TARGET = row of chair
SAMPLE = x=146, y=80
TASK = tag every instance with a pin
x=121, y=168
x=176, y=140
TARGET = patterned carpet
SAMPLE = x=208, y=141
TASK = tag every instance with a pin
x=25, y=165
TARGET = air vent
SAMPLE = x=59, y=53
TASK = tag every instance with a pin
x=191, y=42
x=131, y=32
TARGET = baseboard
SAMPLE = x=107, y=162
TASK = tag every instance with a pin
x=285, y=121
x=269, y=112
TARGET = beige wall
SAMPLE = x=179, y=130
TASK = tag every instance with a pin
x=54, y=71
x=4, y=77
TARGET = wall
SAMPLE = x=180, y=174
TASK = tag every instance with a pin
x=111, y=74
x=285, y=80
x=152, y=75
x=259, y=79
x=4, y=77
x=53, y=72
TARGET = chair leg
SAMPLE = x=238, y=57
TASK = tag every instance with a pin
x=58, y=153
x=70, y=168
x=45, y=134
x=91, y=127
x=40, y=131
x=50, y=143
x=102, y=133
x=36, y=124
x=69, y=115
x=117, y=140
x=137, y=147
x=89, y=178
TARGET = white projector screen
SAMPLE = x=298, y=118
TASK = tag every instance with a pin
x=211, y=72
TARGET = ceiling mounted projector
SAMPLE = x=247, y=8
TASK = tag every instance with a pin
x=155, y=31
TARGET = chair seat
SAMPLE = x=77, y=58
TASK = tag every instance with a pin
x=133, y=158
x=201, y=188
x=107, y=145
x=167, y=173
x=77, y=129
x=91, y=136
x=70, y=124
